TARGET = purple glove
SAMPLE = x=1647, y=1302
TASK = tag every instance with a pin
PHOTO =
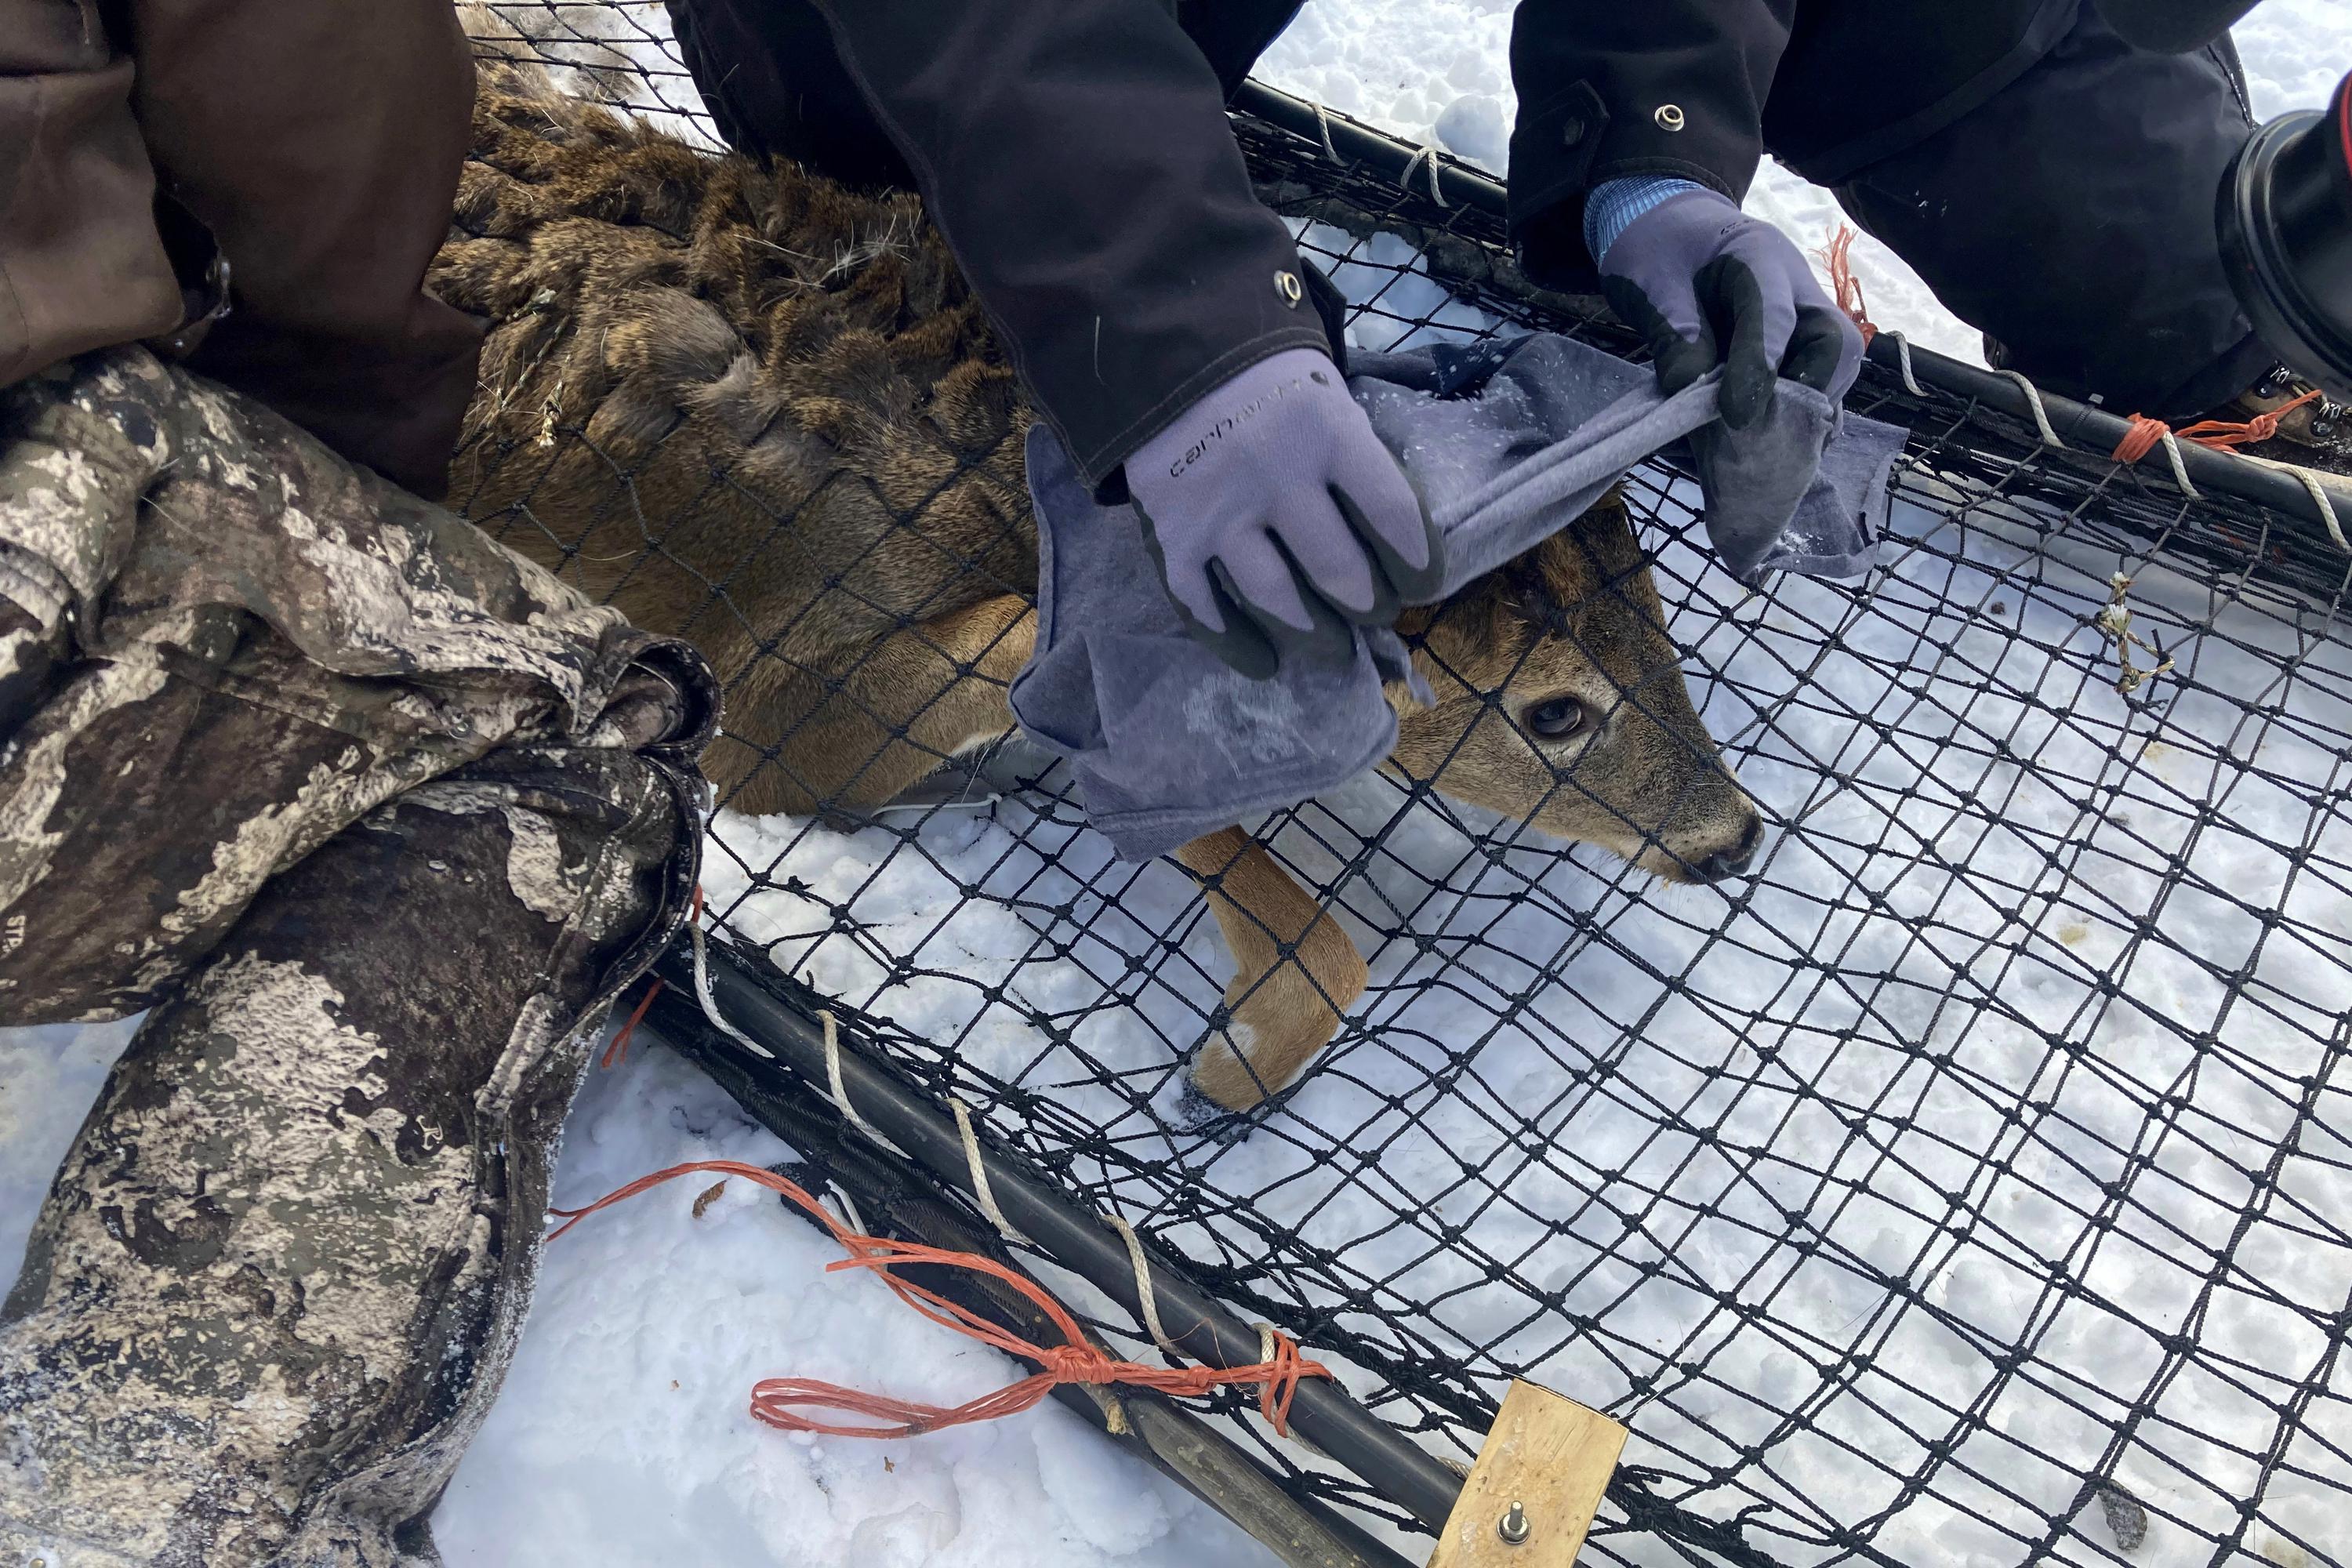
x=1693, y=272
x=1279, y=521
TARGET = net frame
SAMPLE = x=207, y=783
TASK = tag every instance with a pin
x=1873, y=1462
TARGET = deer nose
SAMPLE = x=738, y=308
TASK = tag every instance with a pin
x=1730, y=862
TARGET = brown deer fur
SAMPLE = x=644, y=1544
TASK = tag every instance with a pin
x=763, y=411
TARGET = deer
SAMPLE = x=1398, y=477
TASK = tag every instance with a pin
x=761, y=411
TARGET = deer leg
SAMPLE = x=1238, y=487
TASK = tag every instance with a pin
x=986, y=646
x=1295, y=971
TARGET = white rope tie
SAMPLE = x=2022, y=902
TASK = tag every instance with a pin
x=1405, y=179
x=849, y=1215
x=832, y=1044
x=980, y=1191
x=1144, y=1292
x=833, y=1080
x=2179, y=469
x=710, y=1005
x=1323, y=126
x=2326, y=505
x=2040, y=415
x=1903, y=356
x=2319, y=497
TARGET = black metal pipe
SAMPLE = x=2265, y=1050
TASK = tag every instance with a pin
x=2079, y=424
x=1357, y=143
x=2223, y=472
x=1323, y=1413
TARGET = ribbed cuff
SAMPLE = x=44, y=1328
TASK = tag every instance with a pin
x=1614, y=204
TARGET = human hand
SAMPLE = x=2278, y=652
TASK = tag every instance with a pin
x=1279, y=520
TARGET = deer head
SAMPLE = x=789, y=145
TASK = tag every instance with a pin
x=1560, y=702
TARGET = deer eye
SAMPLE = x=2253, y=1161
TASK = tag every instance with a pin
x=1556, y=720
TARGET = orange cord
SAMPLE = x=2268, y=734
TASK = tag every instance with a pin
x=1848, y=287
x=2145, y=432
x=2140, y=440
x=2233, y=432
x=776, y=1400
x=618, y=1051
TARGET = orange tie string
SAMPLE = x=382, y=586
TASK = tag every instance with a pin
x=780, y=1401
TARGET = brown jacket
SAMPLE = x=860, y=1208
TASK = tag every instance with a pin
x=317, y=140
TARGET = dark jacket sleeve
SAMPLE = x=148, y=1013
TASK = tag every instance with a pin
x=1632, y=87
x=81, y=264
x=1076, y=156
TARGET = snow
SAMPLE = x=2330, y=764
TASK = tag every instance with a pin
x=621, y=1440
x=622, y=1437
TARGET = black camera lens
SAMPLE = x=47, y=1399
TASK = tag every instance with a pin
x=2286, y=217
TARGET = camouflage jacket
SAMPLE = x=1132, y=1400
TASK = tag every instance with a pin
x=155, y=529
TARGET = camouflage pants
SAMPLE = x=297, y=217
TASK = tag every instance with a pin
x=377, y=818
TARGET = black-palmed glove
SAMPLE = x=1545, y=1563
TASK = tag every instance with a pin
x=1279, y=521
x=1708, y=285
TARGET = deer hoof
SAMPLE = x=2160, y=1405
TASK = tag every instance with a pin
x=1196, y=1113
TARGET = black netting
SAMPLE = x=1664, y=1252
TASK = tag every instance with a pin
x=1967, y=1179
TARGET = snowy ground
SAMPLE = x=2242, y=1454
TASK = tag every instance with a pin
x=2030, y=881
x=622, y=1440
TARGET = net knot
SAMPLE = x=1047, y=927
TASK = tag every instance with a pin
x=2244, y=432
x=2145, y=432
x=2141, y=438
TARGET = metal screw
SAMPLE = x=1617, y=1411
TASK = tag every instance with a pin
x=1514, y=1527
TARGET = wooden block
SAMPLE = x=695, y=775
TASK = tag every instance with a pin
x=1553, y=1458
